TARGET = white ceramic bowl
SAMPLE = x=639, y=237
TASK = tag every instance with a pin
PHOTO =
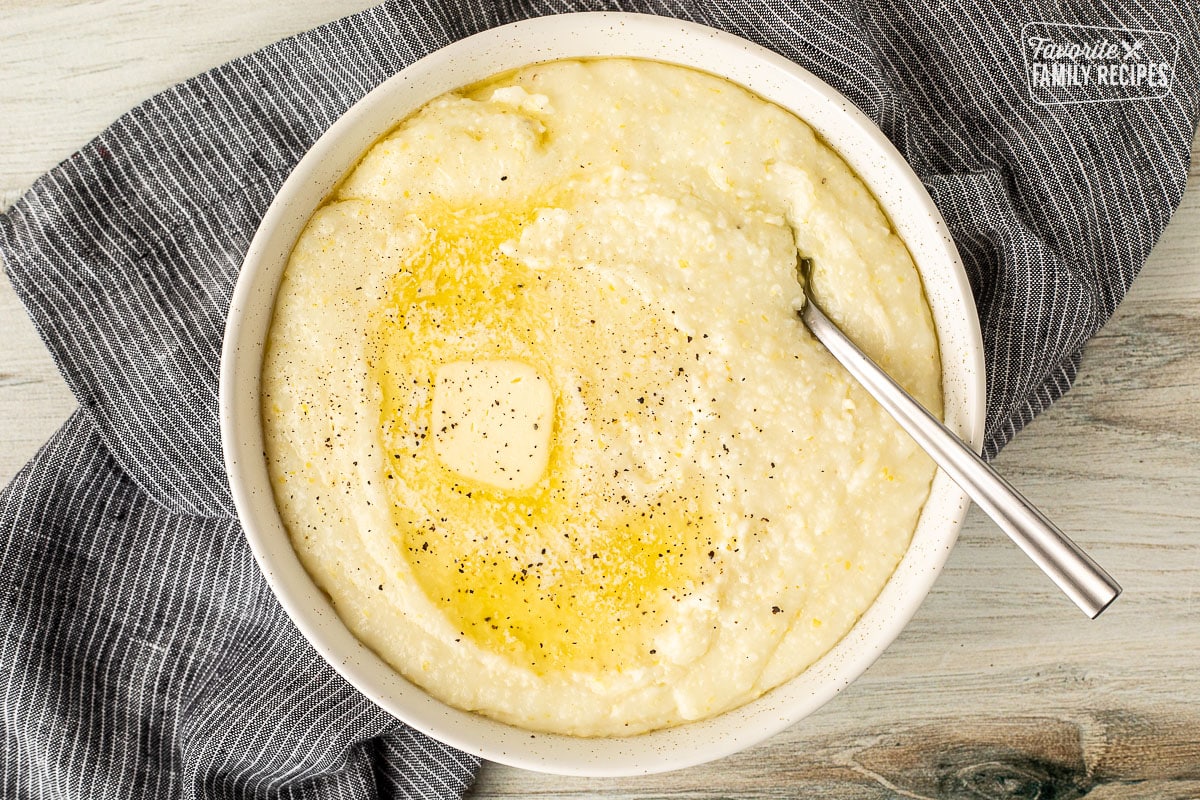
x=848, y=131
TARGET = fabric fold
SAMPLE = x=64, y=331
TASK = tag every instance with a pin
x=144, y=656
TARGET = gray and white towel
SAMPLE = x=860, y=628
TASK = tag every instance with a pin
x=141, y=653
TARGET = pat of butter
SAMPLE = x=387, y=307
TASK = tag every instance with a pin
x=492, y=421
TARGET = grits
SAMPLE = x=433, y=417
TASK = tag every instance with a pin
x=540, y=415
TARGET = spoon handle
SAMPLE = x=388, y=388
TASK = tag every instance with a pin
x=1080, y=578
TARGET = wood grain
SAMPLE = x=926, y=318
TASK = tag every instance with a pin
x=1110, y=754
x=998, y=688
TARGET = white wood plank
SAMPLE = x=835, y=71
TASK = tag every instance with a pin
x=71, y=68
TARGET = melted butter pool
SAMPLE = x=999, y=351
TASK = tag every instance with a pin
x=582, y=569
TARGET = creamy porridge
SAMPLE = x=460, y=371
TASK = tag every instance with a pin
x=542, y=420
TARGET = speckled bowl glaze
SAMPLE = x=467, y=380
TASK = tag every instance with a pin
x=844, y=127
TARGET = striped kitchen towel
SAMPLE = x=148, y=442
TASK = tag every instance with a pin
x=141, y=653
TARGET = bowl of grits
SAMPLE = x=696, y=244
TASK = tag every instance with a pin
x=520, y=420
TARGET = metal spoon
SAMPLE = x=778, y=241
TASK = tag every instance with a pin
x=1073, y=570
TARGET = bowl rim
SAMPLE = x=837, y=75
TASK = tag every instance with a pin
x=590, y=35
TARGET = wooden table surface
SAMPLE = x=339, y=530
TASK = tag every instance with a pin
x=998, y=687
